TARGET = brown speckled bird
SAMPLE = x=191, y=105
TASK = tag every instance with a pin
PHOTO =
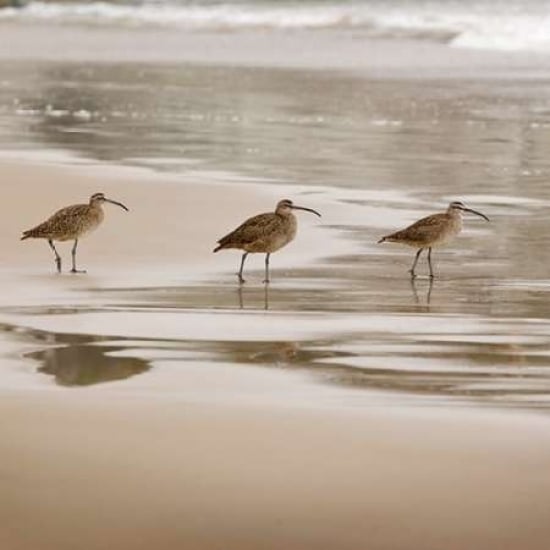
x=71, y=223
x=432, y=231
x=264, y=233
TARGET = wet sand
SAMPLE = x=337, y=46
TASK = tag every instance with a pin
x=104, y=469
x=153, y=402
x=198, y=447
x=183, y=221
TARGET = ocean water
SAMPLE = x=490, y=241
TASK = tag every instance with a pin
x=514, y=25
x=287, y=127
x=381, y=151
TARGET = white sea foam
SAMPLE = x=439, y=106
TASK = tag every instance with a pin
x=485, y=24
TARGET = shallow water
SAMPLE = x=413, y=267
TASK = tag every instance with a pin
x=385, y=152
x=427, y=139
x=444, y=342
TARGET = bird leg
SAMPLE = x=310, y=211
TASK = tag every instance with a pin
x=240, y=274
x=57, y=256
x=266, y=280
x=73, y=254
x=430, y=262
x=411, y=270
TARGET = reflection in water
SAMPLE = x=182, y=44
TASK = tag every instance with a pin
x=83, y=365
x=472, y=343
x=282, y=353
x=253, y=293
x=415, y=284
x=75, y=359
x=422, y=354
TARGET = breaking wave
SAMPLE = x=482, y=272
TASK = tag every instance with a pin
x=484, y=24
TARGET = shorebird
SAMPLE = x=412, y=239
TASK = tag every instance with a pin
x=432, y=231
x=265, y=233
x=71, y=223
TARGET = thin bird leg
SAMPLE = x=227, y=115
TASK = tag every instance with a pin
x=57, y=256
x=430, y=262
x=266, y=280
x=73, y=254
x=240, y=274
x=411, y=270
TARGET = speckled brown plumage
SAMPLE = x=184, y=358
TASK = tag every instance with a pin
x=428, y=231
x=431, y=231
x=262, y=233
x=265, y=233
x=69, y=224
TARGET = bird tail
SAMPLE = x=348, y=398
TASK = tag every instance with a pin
x=224, y=242
x=27, y=234
x=383, y=239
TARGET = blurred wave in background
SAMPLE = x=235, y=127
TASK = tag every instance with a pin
x=484, y=24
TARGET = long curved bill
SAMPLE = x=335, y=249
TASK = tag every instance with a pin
x=117, y=203
x=477, y=213
x=294, y=207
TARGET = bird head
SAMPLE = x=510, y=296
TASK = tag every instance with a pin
x=461, y=207
x=285, y=206
x=100, y=198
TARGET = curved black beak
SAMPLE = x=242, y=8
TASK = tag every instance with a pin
x=306, y=209
x=476, y=213
x=117, y=203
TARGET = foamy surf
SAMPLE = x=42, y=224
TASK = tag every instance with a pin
x=513, y=26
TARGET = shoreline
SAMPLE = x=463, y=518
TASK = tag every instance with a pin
x=194, y=453
x=332, y=50
x=168, y=201
x=155, y=403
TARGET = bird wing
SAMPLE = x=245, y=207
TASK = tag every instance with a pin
x=61, y=223
x=252, y=230
x=422, y=231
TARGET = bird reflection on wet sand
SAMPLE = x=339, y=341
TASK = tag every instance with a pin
x=428, y=297
x=240, y=293
x=84, y=364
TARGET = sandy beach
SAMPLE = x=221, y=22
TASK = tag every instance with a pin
x=109, y=470
x=152, y=402
x=211, y=455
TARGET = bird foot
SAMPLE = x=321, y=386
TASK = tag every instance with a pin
x=266, y=281
x=413, y=274
x=241, y=280
x=73, y=270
